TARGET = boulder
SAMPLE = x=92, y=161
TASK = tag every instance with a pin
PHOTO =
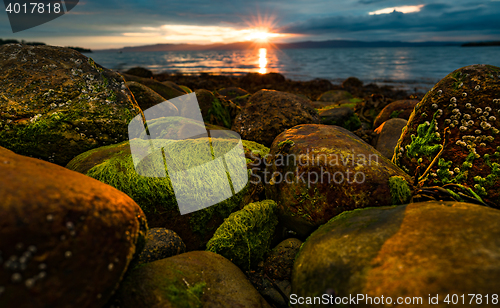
x=452, y=136
x=388, y=136
x=56, y=103
x=340, y=116
x=215, y=110
x=398, y=109
x=352, y=83
x=268, y=113
x=244, y=237
x=315, y=172
x=161, y=243
x=279, y=263
x=334, y=96
x=164, y=89
x=254, y=79
x=409, y=251
x=114, y=165
x=147, y=98
x=231, y=93
x=177, y=87
x=140, y=72
x=192, y=279
x=66, y=239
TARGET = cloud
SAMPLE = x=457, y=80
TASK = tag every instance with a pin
x=403, y=9
x=432, y=18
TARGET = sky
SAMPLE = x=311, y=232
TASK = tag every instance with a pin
x=101, y=24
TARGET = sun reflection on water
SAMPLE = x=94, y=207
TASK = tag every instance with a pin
x=262, y=60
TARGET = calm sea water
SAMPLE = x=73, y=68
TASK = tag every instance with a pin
x=408, y=68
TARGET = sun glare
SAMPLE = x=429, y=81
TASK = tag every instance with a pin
x=260, y=35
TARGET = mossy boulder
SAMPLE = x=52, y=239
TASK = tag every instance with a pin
x=388, y=134
x=404, y=251
x=66, y=239
x=161, y=243
x=341, y=116
x=452, y=136
x=56, y=103
x=399, y=109
x=215, y=109
x=268, y=113
x=147, y=98
x=114, y=165
x=244, y=237
x=315, y=172
x=192, y=279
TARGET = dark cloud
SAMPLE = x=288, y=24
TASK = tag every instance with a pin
x=433, y=18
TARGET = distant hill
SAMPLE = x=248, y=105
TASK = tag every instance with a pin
x=481, y=44
x=305, y=44
x=12, y=41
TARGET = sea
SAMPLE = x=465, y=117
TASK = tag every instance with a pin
x=407, y=68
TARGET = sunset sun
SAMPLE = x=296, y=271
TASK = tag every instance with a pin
x=260, y=35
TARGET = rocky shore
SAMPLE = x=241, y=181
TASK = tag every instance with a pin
x=353, y=191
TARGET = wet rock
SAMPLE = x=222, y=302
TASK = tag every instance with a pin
x=268, y=113
x=398, y=109
x=192, y=279
x=388, y=136
x=216, y=110
x=253, y=79
x=315, y=172
x=370, y=107
x=56, y=103
x=66, y=239
x=113, y=165
x=244, y=237
x=140, y=72
x=232, y=92
x=279, y=264
x=147, y=98
x=403, y=251
x=163, y=89
x=334, y=96
x=352, y=83
x=341, y=116
x=177, y=87
x=461, y=113
x=161, y=243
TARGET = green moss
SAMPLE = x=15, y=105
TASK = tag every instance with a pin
x=188, y=90
x=245, y=236
x=256, y=148
x=182, y=297
x=285, y=142
x=425, y=141
x=395, y=114
x=444, y=171
x=400, y=190
x=220, y=113
x=155, y=194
